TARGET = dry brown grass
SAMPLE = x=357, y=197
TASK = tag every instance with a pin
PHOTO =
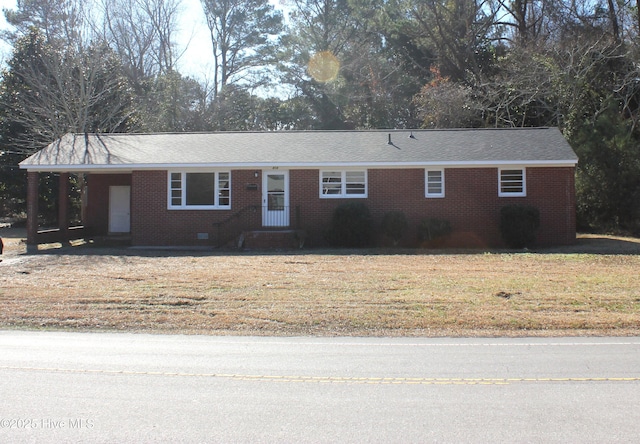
x=592, y=289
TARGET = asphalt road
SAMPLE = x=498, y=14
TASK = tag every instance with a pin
x=83, y=387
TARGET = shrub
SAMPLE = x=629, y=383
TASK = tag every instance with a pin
x=394, y=225
x=430, y=229
x=518, y=225
x=351, y=226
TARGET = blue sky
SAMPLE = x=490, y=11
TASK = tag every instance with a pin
x=4, y=48
x=196, y=62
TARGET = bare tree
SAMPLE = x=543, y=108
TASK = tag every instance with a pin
x=526, y=19
x=52, y=91
x=142, y=32
x=523, y=91
x=445, y=104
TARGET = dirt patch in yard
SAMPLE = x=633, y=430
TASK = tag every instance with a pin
x=591, y=288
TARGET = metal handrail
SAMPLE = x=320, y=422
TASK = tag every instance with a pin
x=253, y=217
x=235, y=217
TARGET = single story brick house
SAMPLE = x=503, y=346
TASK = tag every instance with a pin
x=210, y=189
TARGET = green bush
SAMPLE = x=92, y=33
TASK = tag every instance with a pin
x=394, y=225
x=351, y=226
x=430, y=229
x=518, y=225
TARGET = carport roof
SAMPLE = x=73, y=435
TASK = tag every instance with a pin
x=305, y=149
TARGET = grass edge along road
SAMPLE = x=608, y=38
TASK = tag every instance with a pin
x=582, y=290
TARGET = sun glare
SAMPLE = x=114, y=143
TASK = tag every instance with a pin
x=324, y=66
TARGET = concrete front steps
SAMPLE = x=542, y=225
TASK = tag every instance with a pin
x=272, y=240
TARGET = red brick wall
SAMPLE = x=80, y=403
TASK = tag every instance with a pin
x=152, y=223
x=98, y=200
x=471, y=204
x=552, y=190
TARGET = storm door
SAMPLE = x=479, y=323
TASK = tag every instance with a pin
x=275, y=198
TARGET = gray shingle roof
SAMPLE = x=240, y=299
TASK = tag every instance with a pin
x=462, y=147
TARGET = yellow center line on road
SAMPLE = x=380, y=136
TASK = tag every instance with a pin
x=332, y=379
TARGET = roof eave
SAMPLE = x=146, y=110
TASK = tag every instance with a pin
x=299, y=165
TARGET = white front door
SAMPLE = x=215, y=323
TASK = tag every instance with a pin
x=119, y=209
x=275, y=198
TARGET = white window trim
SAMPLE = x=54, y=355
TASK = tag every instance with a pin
x=426, y=183
x=343, y=182
x=183, y=188
x=522, y=193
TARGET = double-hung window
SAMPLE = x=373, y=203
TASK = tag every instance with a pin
x=343, y=183
x=512, y=182
x=434, y=183
x=200, y=190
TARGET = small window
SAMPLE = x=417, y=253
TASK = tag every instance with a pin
x=199, y=190
x=355, y=182
x=512, y=183
x=331, y=183
x=224, y=189
x=341, y=184
x=434, y=183
x=175, y=187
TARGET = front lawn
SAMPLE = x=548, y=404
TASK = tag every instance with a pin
x=583, y=290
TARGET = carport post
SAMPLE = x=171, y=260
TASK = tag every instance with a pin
x=33, y=179
x=63, y=207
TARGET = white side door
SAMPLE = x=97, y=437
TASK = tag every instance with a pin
x=119, y=209
x=275, y=198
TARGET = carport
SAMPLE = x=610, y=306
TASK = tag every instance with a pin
x=63, y=232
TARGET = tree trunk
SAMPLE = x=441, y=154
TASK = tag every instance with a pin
x=615, y=28
x=638, y=14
